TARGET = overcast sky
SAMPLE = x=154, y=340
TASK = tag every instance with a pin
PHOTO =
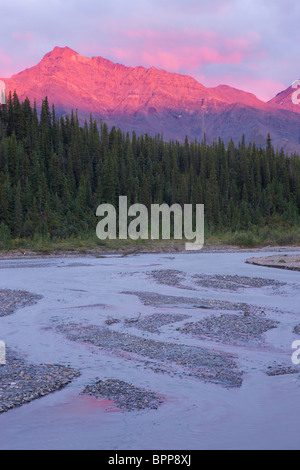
x=249, y=44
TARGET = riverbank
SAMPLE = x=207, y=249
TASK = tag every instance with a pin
x=139, y=249
x=291, y=262
x=256, y=239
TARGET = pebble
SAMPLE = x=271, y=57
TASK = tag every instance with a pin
x=297, y=330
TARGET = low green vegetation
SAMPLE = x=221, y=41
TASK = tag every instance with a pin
x=89, y=243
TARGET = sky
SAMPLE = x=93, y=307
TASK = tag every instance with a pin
x=249, y=44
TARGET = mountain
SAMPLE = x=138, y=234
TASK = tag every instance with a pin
x=153, y=101
x=288, y=98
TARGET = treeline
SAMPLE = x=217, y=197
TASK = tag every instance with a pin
x=55, y=172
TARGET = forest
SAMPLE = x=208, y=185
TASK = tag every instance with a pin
x=54, y=172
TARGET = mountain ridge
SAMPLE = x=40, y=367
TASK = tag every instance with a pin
x=284, y=99
x=151, y=100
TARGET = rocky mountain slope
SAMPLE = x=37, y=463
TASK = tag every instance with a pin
x=155, y=101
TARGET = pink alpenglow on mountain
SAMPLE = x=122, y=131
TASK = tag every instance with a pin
x=154, y=101
x=289, y=98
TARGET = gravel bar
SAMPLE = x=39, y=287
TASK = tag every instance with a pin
x=280, y=369
x=158, y=300
x=11, y=300
x=22, y=382
x=184, y=280
x=125, y=395
x=153, y=323
x=170, y=277
x=231, y=329
x=234, y=283
x=205, y=364
x=291, y=262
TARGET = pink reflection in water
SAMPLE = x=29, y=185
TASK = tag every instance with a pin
x=86, y=404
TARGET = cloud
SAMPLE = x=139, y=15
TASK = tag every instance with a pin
x=24, y=36
x=183, y=50
x=6, y=64
x=264, y=89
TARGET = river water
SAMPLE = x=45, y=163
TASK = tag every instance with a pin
x=264, y=413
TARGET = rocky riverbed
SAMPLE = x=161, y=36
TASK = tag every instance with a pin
x=22, y=382
x=125, y=395
x=10, y=300
x=193, y=282
x=174, y=359
x=231, y=329
x=153, y=323
x=196, y=350
x=158, y=300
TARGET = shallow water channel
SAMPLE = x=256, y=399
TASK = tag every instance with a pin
x=69, y=326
